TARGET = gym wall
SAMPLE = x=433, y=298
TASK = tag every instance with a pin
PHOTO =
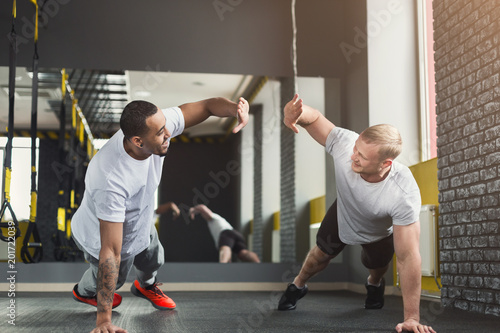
x=253, y=37
x=467, y=87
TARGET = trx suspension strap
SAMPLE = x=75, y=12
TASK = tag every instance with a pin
x=32, y=230
x=74, y=158
x=11, y=226
x=73, y=251
x=63, y=232
x=61, y=211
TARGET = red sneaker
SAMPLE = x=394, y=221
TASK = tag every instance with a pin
x=117, y=299
x=153, y=294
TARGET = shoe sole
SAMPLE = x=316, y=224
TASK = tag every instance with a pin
x=92, y=305
x=137, y=293
x=80, y=301
x=288, y=309
x=293, y=307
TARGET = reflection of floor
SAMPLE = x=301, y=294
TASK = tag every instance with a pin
x=334, y=311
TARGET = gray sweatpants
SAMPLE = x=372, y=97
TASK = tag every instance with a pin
x=146, y=265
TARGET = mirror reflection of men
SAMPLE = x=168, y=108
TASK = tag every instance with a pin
x=226, y=238
x=378, y=206
x=168, y=207
x=114, y=224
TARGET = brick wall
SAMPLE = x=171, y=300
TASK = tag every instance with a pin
x=258, y=223
x=467, y=65
x=287, y=183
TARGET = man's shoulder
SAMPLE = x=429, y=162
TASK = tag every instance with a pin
x=403, y=177
x=110, y=146
x=108, y=159
x=340, y=137
x=174, y=120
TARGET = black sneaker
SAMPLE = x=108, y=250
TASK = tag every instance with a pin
x=375, y=296
x=291, y=296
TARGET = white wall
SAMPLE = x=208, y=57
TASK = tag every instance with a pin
x=247, y=174
x=309, y=155
x=269, y=97
x=333, y=112
x=392, y=71
x=309, y=165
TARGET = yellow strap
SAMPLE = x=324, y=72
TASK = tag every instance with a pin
x=36, y=20
x=90, y=148
x=8, y=177
x=73, y=113
x=68, y=229
x=33, y=207
x=72, y=198
x=64, y=77
x=81, y=135
x=14, y=10
x=61, y=219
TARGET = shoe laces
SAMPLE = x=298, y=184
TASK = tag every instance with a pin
x=154, y=289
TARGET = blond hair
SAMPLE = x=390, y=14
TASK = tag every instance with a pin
x=387, y=137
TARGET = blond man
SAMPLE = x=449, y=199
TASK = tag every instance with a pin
x=377, y=207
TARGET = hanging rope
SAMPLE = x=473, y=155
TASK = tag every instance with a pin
x=294, y=49
x=32, y=230
x=12, y=226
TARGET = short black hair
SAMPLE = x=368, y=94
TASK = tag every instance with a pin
x=133, y=118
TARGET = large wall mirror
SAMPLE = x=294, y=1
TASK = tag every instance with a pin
x=207, y=165
x=156, y=56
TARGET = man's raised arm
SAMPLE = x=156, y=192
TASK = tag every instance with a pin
x=297, y=113
x=197, y=112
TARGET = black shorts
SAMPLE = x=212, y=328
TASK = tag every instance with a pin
x=374, y=255
x=233, y=239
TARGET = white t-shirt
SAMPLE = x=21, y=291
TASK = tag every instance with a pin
x=119, y=188
x=217, y=225
x=367, y=211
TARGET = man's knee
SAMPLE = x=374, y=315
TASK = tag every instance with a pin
x=329, y=245
x=320, y=255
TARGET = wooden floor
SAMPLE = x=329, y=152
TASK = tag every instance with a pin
x=335, y=311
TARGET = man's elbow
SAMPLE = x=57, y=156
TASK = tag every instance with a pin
x=110, y=252
x=412, y=258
